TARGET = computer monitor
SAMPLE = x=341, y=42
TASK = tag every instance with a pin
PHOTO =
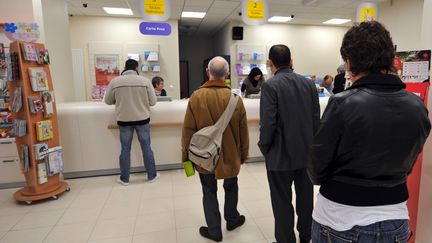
x=164, y=98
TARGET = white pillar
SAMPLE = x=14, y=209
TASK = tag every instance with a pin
x=57, y=41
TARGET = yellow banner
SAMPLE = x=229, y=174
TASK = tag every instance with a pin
x=154, y=7
x=255, y=10
x=367, y=14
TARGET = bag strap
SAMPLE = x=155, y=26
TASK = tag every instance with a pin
x=225, y=118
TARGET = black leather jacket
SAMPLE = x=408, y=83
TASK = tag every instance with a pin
x=368, y=141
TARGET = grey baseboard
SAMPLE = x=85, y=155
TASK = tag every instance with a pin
x=93, y=173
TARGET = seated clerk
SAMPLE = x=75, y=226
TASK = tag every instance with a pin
x=328, y=83
x=252, y=83
x=158, y=85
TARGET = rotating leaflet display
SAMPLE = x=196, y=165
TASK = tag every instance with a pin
x=36, y=126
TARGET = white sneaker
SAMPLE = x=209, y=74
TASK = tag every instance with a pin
x=154, y=179
x=119, y=181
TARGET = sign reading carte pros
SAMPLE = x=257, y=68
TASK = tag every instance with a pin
x=153, y=28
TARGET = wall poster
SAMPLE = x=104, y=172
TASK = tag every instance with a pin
x=106, y=68
x=413, y=66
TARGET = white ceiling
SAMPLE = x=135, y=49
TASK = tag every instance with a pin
x=220, y=12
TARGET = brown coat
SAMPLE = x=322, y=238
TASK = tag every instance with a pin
x=205, y=107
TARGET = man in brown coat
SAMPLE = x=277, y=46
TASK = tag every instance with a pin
x=205, y=107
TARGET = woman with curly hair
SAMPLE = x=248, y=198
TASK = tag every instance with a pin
x=368, y=141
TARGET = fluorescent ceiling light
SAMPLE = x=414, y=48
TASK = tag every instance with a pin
x=198, y=15
x=120, y=11
x=337, y=21
x=279, y=19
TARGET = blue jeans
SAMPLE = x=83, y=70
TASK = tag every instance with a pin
x=390, y=231
x=126, y=136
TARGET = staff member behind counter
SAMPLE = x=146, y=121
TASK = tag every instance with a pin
x=158, y=85
x=252, y=83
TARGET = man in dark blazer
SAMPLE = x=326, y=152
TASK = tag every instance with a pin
x=289, y=118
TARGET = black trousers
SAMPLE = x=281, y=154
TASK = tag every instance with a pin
x=211, y=205
x=281, y=196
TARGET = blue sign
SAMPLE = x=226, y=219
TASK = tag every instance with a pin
x=153, y=28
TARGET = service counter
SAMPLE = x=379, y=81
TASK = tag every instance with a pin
x=90, y=137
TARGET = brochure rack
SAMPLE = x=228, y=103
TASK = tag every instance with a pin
x=53, y=185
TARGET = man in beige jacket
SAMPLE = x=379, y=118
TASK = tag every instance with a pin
x=133, y=95
x=205, y=107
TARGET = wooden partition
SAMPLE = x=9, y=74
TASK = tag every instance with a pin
x=54, y=186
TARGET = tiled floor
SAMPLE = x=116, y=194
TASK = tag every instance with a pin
x=99, y=210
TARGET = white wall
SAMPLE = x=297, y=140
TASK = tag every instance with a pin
x=126, y=31
x=222, y=40
x=403, y=19
x=16, y=11
x=195, y=50
x=424, y=234
x=314, y=49
x=57, y=40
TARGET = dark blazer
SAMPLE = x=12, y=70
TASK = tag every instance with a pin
x=289, y=117
x=368, y=141
x=339, y=83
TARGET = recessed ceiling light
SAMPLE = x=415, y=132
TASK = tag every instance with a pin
x=280, y=19
x=337, y=21
x=198, y=15
x=120, y=11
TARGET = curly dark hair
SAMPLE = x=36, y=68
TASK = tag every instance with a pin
x=369, y=48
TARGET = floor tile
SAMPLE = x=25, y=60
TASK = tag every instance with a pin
x=79, y=215
x=187, y=189
x=87, y=200
x=191, y=235
x=7, y=222
x=251, y=194
x=113, y=228
x=71, y=233
x=166, y=236
x=111, y=211
x=124, y=195
x=245, y=233
x=190, y=218
x=266, y=226
x=6, y=194
x=39, y=219
x=11, y=207
x=63, y=201
x=154, y=222
x=127, y=239
x=2, y=233
x=156, y=205
x=259, y=209
x=26, y=236
x=154, y=190
x=188, y=202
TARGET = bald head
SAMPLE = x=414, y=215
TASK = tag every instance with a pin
x=218, y=68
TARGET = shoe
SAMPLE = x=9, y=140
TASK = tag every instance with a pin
x=204, y=233
x=155, y=178
x=119, y=181
x=302, y=240
x=241, y=220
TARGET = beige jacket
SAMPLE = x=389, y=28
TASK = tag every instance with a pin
x=132, y=95
x=205, y=107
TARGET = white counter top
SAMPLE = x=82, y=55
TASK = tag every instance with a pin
x=90, y=146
